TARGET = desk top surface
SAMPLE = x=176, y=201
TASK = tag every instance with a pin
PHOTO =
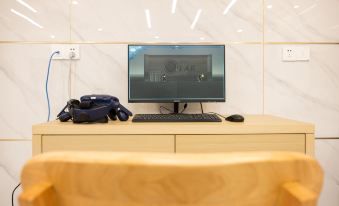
x=259, y=124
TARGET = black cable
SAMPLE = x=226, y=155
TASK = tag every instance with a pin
x=14, y=192
x=171, y=111
x=185, y=106
x=202, y=109
x=162, y=107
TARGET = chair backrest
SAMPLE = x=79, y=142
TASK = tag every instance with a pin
x=148, y=179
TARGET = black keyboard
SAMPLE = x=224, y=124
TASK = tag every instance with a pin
x=176, y=118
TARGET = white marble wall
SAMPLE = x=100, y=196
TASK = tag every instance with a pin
x=125, y=21
x=257, y=81
x=305, y=91
x=23, y=70
x=52, y=16
x=302, y=20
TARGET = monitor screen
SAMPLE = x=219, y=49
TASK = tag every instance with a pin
x=176, y=73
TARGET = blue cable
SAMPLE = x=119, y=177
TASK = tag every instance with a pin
x=49, y=66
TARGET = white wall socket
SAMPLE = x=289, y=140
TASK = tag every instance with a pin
x=297, y=53
x=67, y=51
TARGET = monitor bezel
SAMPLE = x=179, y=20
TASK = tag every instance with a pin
x=180, y=99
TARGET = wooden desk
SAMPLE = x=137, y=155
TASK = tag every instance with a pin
x=258, y=132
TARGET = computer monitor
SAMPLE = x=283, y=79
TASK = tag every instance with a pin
x=176, y=73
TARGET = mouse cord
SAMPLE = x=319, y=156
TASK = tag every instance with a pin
x=216, y=114
x=162, y=107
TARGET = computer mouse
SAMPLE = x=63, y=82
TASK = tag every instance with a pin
x=235, y=118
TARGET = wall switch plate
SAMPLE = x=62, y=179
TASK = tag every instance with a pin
x=67, y=51
x=299, y=53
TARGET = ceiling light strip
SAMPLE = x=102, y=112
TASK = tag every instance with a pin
x=27, y=18
x=308, y=9
x=196, y=18
x=229, y=6
x=27, y=6
x=148, y=18
x=174, y=6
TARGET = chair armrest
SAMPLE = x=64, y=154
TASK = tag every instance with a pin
x=41, y=194
x=295, y=194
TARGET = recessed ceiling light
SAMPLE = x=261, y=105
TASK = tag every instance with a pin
x=296, y=6
x=156, y=37
x=27, y=18
x=202, y=38
x=240, y=30
x=52, y=36
x=270, y=6
x=75, y=2
x=100, y=29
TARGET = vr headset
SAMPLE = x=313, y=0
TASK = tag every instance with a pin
x=94, y=108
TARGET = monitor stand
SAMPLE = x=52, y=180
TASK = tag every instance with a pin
x=176, y=108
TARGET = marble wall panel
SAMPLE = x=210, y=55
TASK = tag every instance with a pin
x=50, y=22
x=23, y=70
x=302, y=20
x=108, y=20
x=306, y=91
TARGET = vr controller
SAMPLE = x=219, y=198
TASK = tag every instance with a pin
x=94, y=108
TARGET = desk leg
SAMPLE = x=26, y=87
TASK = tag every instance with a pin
x=310, y=144
x=36, y=144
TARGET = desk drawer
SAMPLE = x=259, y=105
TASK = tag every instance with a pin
x=126, y=143
x=232, y=143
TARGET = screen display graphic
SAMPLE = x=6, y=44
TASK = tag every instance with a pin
x=176, y=73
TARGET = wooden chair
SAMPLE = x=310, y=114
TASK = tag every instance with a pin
x=149, y=179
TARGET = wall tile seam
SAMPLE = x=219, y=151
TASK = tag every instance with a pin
x=326, y=138
x=188, y=43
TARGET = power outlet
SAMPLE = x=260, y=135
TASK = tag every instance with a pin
x=67, y=51
x=289, y=54
x=299, y=53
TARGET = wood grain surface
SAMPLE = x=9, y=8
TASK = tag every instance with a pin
x=161, y=179
x=262, y=124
